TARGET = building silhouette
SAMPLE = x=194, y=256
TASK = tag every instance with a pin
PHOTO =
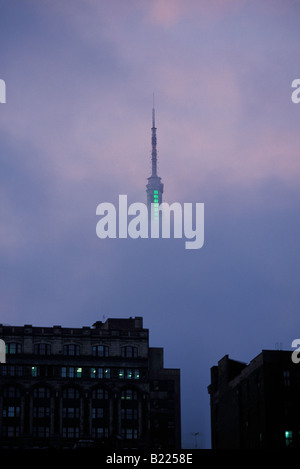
x=101, y=385
x=256, y=405
x=154, y=187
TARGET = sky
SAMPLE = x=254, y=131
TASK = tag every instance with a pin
x=75, y=131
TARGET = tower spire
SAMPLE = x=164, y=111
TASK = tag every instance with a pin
x=154, y=186
x=153, y=113
x=154, y=143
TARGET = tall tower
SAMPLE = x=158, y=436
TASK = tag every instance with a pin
x=154, y=187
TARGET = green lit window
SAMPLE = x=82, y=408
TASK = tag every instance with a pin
x=121, y=373
x=129, y=395
x=136, y=374
x=288, y=438
x=34, y=371
x=71, y=372
x=100, y=373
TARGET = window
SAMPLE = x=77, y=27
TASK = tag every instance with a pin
x=11, y=391
x=42, y=349
x=11, y=411
x=132, y=374
x=71, y=349
x=100, y=373
x=71, y=432
x=286, y=378
x=13, y=348
x=100, y=432
x=100, y=350
x=11, y=430
x=35, y=371
x=41, y=431
x=130, y=433
x=71, y=412
x=129, y=351
x=71, y=372
x=129, y=395
x=97, y=413
x=41, y=412
x=129, y=373
x=288, y=438
x=70, y=393
x=100, y=394
x=41, y=392
x=129, y=414
x=11, y=370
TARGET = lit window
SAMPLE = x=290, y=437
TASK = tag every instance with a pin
x=34, y=371
x=288, y=438
x=129, y=395
x=71, y=372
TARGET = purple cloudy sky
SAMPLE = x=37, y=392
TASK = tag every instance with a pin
x=75, y=131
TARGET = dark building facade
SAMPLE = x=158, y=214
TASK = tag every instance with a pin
x=103, y=385
x=256, y=405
